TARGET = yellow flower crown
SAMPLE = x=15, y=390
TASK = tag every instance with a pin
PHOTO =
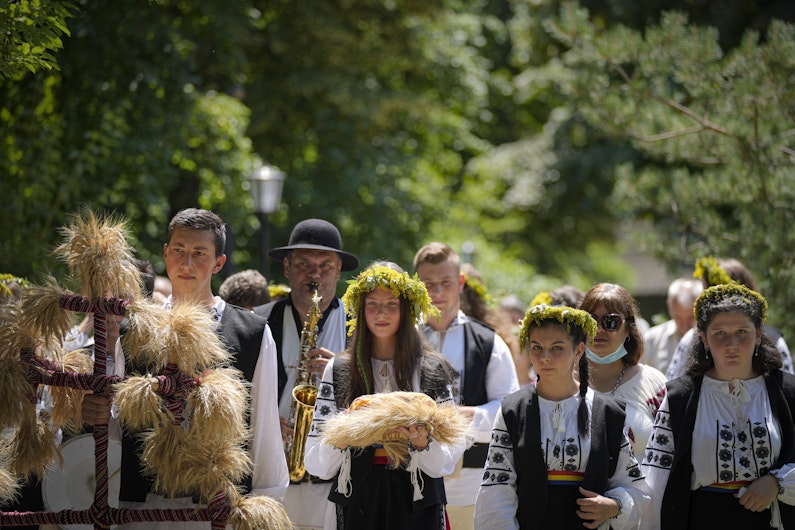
x=717, y=293
x=398, y=283
x=479, y=288
x=565, y=315
x=278, y=290
x=707, y=269
x=6, y=279
x=541, y=298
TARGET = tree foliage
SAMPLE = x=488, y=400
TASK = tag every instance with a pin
x=31, y=33
x=716, y=130
x=127, y=125
x=405, y=121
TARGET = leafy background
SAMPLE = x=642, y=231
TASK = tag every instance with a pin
x=543, y=132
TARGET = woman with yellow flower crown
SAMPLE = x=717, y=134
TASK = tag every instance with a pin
x=722, y=450
x=717, y=271
x=386, y=354
x=559, y=456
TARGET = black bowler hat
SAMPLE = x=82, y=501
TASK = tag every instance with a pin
x=316, y=234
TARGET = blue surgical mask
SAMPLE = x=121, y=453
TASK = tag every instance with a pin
x=607, y=359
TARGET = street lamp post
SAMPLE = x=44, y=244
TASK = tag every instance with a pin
x=266, y=190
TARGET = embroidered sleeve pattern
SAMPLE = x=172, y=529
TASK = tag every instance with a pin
x=660, y=450
x=499, y=464
x=631, y=464
x=325, y=408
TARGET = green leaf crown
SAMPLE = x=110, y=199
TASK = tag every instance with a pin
x=754, y=302
x=480, y=289
x=398, y=283
x=568, y=316
x=708, y=270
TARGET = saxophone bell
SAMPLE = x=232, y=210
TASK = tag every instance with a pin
x=304, y=392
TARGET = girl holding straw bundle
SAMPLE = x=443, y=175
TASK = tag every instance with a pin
x=559, y=456
x=377, y=486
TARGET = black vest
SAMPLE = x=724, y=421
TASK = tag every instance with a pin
x=275, y=312
x=478, y=344
x=683, y=395
x=435, y=377
x=241, y=332
x=523, y=423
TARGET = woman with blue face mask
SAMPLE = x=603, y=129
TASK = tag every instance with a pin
x=614, y=360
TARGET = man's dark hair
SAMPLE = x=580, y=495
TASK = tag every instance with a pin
x=203, y=220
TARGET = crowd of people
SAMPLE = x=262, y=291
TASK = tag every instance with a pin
x=577, y=412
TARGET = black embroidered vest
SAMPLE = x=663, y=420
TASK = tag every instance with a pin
x=683, y=395
x=523, y=423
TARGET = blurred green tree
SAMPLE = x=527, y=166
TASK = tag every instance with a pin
x=715, y=127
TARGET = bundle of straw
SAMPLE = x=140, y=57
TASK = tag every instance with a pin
x=32, y=448
x=9, y=486
x=183, y=335
x=14, y=394
x=99, y=256
x=372, y=419
x=67, y=403
x=45, y=322
x=256, y=512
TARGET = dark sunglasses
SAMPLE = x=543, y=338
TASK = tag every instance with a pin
x=611, y=322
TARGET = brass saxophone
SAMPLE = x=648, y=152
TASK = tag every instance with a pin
x=304, y=393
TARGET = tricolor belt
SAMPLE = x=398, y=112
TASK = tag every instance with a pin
x=380, y=458
x=565, y=478
x=725, y=487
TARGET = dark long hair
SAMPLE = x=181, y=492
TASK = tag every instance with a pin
x=410, y=348
x=577, y=336
x=766, y=357
x=617, y=299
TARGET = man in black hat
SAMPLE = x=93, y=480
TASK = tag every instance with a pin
x=314, y=255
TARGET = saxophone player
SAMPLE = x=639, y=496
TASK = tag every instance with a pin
x=313, y=255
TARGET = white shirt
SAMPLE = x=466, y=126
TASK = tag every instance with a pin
x=563, y=447
x=324, y=460
x=735, y=438
x=501, y=380
x=643, y=393
x=660, y=345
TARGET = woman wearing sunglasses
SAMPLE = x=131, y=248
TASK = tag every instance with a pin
x=613, y=360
